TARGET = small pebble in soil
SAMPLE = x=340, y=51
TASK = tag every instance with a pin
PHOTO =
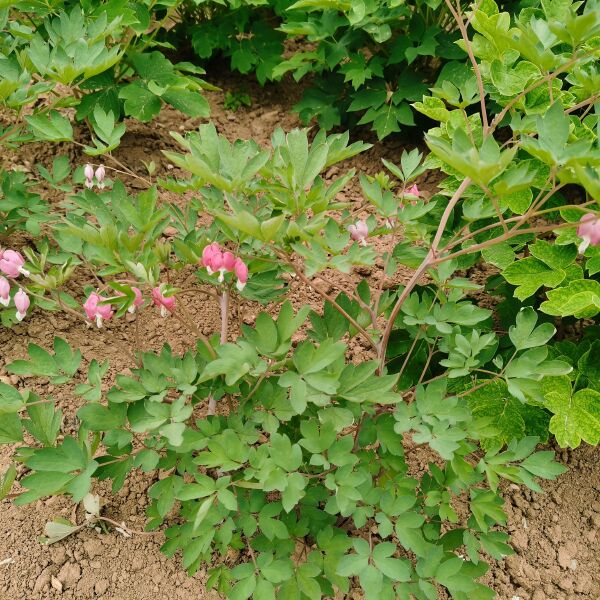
x=573, y=565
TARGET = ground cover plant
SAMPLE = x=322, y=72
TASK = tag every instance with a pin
x=273, y=442
x=366, y=61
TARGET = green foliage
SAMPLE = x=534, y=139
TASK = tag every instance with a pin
x=20, y=208
x=573, y=400
x=58, y=368
x=576, y=414
x=311, y=441
x=308, y=472
x=550, y=146
x=367, y=60
x=103, y=56
x=235, y=100
x=285, y=443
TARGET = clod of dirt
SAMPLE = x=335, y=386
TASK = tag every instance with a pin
x=56, y=584
x=69, y=574
x=101, y=587
x=93, y=548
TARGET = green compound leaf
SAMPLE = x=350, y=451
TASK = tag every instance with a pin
x=59, y=368
x=530, y=274
x=192, y=103
x=140, y=102
x=487, y=508
x=511, y=418
x=7, y=480
x=500, y=255
x=576, y=416
x=542, y=464
x=556, y=257
x=51, y=127
x=589, y=367
x=580, y=298
x=44, y=421
x=525, y=334
x=11, y=400
x=97, y=417
x=294, y=491
x=243, y=589
x=593, y=260
x=10, y=429
x=519, y=201
x=395, y=568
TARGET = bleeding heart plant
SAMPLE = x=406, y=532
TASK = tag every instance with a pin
x=289, y=439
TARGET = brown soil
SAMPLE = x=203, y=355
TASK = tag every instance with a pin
x=554, y=535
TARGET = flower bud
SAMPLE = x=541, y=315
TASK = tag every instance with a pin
x=139, y=300
x=11, y=263
x=4, y=291
x=589, y=231
x=88, y=171
x=359, y=232
x=96, y=311
x=100, y=175
x=413, y=190
x=21, y=300
x=241, y=272
x=90, y=305
x=166, y=304
x=228, y=262
x=207, y=255
x=216, y=264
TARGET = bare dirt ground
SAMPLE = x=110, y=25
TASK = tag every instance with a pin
x=555, y=535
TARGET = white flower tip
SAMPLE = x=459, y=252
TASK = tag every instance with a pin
x=584, y=245
x=24, y=272
x=98, y=321
x=163, y=311
x=209, y=270
x=5, y=301
x=239, y=285
x=131, y=309
x=20, y=316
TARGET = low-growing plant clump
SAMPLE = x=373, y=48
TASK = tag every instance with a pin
x=271, y=440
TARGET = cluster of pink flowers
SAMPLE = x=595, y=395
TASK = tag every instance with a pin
x=589, y=231
x=217, y=261
x=89, y=173
x=11, y=265
x=98, y=310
